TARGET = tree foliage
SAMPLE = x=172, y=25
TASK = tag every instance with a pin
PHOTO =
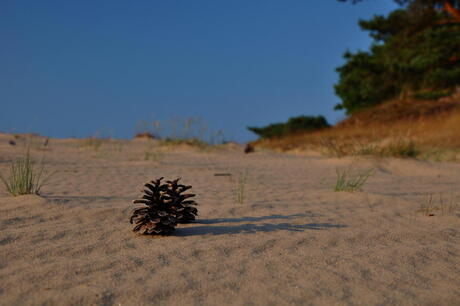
x=416, y=52
x=293, y=125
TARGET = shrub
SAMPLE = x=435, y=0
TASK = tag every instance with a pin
x=293, y=125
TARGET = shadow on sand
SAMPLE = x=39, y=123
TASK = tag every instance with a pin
x=194, y=230
x=252, y=219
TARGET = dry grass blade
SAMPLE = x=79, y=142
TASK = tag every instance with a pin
x=241, y=187
x=428, y=207
x=95, y=142
x=446, y=207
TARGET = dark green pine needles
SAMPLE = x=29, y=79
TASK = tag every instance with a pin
x=166, y=205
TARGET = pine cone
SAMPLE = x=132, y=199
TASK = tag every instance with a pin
x=166, y=206
x=185, y=212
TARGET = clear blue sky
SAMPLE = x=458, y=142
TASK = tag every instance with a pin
x=74, y=68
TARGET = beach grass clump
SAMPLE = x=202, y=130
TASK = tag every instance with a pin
x=24, y=176
x=240, y=189
x=348, y=180
x=166, y=205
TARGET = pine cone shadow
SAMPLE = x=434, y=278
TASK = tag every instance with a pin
x=252, y=219
x=252, y=228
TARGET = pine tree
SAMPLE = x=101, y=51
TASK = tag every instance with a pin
x=416, y=53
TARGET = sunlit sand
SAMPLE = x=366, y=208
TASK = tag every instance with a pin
x=290, y=240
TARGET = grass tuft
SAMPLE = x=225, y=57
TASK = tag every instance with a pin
x=240, y=189
x=24, y=177
x=349, y=181
x=446, y=207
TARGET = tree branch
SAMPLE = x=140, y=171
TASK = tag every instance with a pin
x=452, y=11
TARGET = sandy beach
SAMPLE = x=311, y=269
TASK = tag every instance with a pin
x=293, y=240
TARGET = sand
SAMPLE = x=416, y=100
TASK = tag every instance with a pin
x=293, y=241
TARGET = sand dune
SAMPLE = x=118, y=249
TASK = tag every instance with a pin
x=294, y=241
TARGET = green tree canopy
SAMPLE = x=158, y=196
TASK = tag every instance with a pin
x=450, y=6
x=293, y=125
x=416, y=52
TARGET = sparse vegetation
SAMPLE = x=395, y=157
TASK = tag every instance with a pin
x=118, y=147
x=25, y=177
x=240, y=189
x=194, y=142
x=154, y=156
x=191, y=131
x=429, y=207
x=94, y=142
x=350, y=180
x=440, y=155
x=36, y=142
x=402, y=148
x=400, y=129
x=335, y=148
x=145, y=130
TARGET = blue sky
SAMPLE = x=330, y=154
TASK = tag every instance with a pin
x=75, y=68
